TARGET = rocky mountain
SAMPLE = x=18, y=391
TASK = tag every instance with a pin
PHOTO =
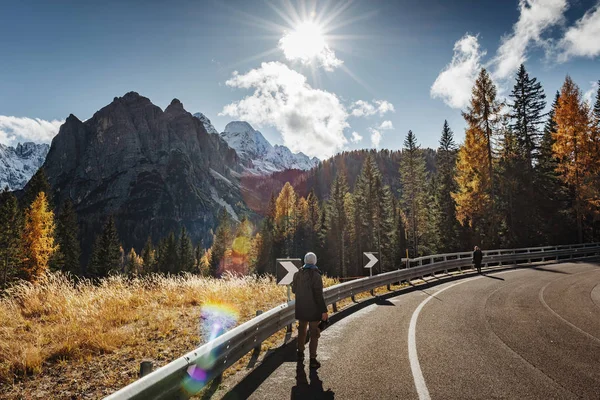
x=206, y=122
x=258, y=156
x=152, y=170
x=17, y=165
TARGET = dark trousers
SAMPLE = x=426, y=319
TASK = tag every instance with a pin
x=315, y=333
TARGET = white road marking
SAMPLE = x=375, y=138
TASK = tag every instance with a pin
x=412, y=346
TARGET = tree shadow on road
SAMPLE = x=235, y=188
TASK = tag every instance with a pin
x=313, y=390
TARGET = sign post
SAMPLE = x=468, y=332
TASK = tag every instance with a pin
x=372, y=260
x=285, y=269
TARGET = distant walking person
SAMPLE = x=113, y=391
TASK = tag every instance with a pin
x=477, y=257
x=310, y=306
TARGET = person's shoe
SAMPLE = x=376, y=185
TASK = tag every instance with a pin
x=314, y=364
x=300, y=355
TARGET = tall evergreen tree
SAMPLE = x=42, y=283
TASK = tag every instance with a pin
x=527, y=115
x=446, y=170
x=38, y=238
x=476, y=194
x=38, y=183
x=149, y=257
x=106, y=255
x=367, y=192
x=185, y=251
x=265, y=262
x=414, y=178
x=222, y=240
x=336, y=223
x=11, y=228
x=67, y=236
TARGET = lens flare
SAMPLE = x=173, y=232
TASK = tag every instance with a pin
x=215, y=319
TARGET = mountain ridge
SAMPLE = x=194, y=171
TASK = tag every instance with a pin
x=18, y=164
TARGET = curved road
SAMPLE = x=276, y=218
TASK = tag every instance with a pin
x=518, y=334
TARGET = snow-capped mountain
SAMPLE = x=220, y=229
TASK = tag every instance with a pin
x=206, y=122
x=17, y=165
x=259, y=156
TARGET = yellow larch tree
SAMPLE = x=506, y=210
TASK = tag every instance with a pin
x=38, y=238
x=475, y=162
x=574, y=148
x=285, y=218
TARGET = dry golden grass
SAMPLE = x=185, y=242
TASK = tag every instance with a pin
x=57, y=334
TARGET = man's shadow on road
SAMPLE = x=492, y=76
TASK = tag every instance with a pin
x=313, y=390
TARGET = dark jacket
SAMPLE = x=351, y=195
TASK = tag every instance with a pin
x=308, y=287
x=477, y=257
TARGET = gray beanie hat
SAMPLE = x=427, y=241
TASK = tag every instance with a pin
x=310, y=258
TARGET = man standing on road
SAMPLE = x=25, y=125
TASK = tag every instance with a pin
x=310, y=306
x=477, y=257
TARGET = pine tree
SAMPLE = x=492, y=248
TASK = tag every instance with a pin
x=314, y=210
x=336, y=223
x=413, y=178
x=67, y=236
x=168, y=257
x=38, y=183
x=266, y=258
x=527, y=115
x=185, y=251
x=106, y=255
x=149, y=257
x=445, y=204
x=221, y=242
x=476, y=194
x=366, y=197
x=11, y=228
x=571, y=148
x=38, y=238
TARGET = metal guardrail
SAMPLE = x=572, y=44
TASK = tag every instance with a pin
x=224, y=351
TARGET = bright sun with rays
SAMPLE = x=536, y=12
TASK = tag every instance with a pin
x=305, y=43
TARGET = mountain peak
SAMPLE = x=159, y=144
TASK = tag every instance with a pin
x=175, y=106
x=206, y=122
x=262, y=157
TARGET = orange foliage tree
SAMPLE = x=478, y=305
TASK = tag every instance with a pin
x=575, y=149
x=38, y=238
x=475, y=163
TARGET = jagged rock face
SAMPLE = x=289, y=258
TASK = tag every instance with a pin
x=152, y=170
x=17, y=165
x=207, y=124
x=258, y=155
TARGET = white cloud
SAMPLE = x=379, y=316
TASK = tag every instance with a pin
x=20, y=129
x=307, y=44
x=590, y=95
x=535, y=17
x=310, y=120
x=453, y=85
x=375, y=137
x=362, y=108
x=386, y=125
x=583, y=38
x=356, y=137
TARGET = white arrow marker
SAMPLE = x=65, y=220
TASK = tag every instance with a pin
x=372, y=260
x=291, y=270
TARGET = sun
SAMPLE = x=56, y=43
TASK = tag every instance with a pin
x=305, y=43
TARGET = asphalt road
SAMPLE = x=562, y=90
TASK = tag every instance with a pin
x=529, y=333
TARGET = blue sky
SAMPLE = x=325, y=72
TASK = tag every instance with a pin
x=373, y=77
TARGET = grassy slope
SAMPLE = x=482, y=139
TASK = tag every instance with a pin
x=60, y=339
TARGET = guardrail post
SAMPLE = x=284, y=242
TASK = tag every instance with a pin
x=373, y=292
x=145, y=368
x=257, y=347
x=389, y=287
x=335, y=309
x=353, y=299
